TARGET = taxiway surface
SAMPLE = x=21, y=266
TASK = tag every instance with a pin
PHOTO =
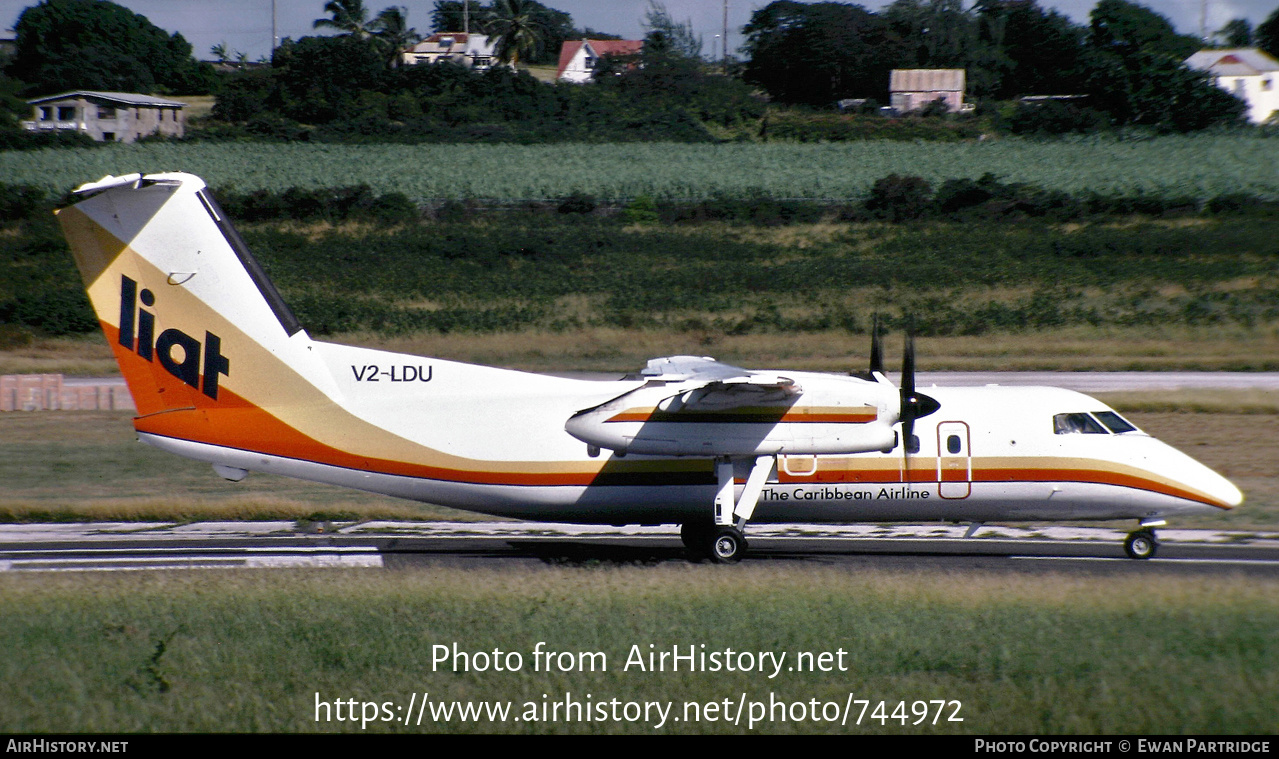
x=394, y=545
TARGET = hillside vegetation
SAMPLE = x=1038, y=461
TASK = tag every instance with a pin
x=967, y=258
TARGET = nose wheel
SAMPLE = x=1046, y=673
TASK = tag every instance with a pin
x=1141, y=544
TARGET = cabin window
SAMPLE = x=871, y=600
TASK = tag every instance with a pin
x=1074, y=424
x=954, y=444
x=1114, y=422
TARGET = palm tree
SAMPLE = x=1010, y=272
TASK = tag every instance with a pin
x=347, y=16
x=391, y=29
x=518, y=28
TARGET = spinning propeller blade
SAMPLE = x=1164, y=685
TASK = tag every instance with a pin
x=876, y=349
x=914, y=404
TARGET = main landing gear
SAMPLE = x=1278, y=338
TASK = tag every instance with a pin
x=722, y=540
x=721, y=544
x=1141, y=544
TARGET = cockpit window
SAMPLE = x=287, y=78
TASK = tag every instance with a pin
x=1114, y=422
x=1074, y=424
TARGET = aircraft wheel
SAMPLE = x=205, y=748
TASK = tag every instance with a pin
x=698, y=538
x=1141, y=544
x=727, y=545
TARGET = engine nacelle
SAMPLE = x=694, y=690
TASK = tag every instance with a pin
x=830, y=415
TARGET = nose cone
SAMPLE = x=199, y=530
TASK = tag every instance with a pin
x=1202, y=483
x=1224, y=491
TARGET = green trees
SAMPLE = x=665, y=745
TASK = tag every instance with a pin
x=1128, y=61
x=347, y=16
x=1124, y=27
x=1138, y=77
x=455, y=16
x=1236, y=33
x=518, y=29
x=817, y=53
x=392, y=31
x=98, y=45
x=1267, y=34
x=388, y=32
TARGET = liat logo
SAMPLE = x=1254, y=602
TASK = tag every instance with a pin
x=137, y=333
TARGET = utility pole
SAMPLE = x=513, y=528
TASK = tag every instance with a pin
x=466, y=17
x=723, y=58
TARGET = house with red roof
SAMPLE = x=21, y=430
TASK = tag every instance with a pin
x=579, y=58
x=1247, y=73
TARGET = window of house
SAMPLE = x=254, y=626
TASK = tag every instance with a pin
x=46, y=113
x=106, y=113
x=66, y=113
x=108, y=136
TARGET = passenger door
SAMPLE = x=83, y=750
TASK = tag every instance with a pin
x=954, y=460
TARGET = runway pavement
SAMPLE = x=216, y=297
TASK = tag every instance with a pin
x=396, y=545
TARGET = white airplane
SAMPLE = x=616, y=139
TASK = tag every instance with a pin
x=221, y=371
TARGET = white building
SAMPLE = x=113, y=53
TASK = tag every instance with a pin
x=578, y=58
x=1245, y=72
x=912, y=89
x=108, y=116
x=471, y=50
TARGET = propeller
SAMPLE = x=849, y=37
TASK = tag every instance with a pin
x=914, y=403
x=876, y=349
x=876, y=355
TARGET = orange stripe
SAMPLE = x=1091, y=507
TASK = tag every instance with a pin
x=927, y=473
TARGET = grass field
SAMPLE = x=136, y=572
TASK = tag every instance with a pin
x=254, y=651
x=611, y=349
x=1196, y=166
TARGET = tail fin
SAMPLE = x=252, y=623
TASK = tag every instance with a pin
x=182, y=302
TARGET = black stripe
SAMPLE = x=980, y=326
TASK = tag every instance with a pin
x=273, y=298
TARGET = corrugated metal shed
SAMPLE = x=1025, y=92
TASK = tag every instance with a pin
x=926, y=80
